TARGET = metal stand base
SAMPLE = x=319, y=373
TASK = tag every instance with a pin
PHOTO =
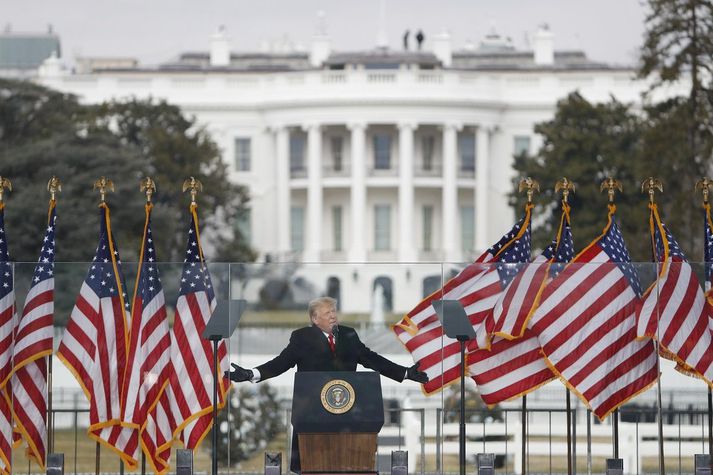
x=615, y=467
x=702, y=464
x=485, y=464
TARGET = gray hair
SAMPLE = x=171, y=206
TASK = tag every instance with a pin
x=314, y=304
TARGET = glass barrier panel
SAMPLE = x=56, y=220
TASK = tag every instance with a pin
x=596, y=334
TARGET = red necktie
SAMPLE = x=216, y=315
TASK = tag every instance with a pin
x=331, y=342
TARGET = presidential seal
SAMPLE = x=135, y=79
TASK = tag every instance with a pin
x=338, y=396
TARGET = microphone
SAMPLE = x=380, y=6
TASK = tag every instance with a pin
x=335, y=329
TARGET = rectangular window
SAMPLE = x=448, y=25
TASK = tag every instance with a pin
x=242, y=225
x=427, y=228
x=297, y=153
x=467, y=228
x=382, y=152
x=382, y=227
x=521, y=144
x=242, y=154
x=466, y=152
x=428, y=144
x=337, y=144
x=337, y=227
x=297, y=228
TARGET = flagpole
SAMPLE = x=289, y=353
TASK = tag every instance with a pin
x=566, y=187
x=50, y=444
x=615, y=430
x=53, y=186
x=461, y=425
x=650, y=185
x=589, y=442
x=97, y=460
x=530, y=186
x=569, y=433
x=524, y=434
x=662, y=467
x=704, y=184
x=710, y=421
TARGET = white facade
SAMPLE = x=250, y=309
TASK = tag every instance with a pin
x=374, y=157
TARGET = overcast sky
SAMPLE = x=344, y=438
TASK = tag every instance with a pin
x=157, y=30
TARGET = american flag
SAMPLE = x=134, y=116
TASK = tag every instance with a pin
x=514, y=365
x=191, y=382
x=519, y=300
x=509, y=369
x=7, y=329
x=477, y=287
x=586, y=324
x=33, y=343
x=93, y=346
x=675, y=311
x=149, y=353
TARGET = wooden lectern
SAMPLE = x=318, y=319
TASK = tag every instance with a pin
x=337, y=417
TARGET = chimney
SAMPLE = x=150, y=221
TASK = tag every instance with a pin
x=220, y=48
x=321, y=46
x=442, y=48
x=544, y=46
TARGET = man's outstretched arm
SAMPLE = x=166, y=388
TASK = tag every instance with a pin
x=276, y=366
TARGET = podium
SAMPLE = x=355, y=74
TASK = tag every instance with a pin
x=337, y=417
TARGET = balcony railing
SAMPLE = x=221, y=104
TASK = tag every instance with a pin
x=432, y=169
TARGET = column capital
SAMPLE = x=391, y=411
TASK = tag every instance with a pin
x=407, y=126
x=454, y=125
x=488, y=128
x=308, y=126
x=276, y=127
x=354, y=126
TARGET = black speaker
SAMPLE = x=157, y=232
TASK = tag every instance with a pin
x=615, y=466
x=55, y=464
x=485, y=464
x=399, y=462
x=184, y=462
x=273, y=463
x=702, y=464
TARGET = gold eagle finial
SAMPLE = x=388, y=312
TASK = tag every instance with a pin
x=530, y=185
x=5, y=184
x=148, y=187
x=611, y=185
x=54, y=186
x=194, y=186
x=566, y=186
x=650, y=185
x=704, y=185
x=104, y=185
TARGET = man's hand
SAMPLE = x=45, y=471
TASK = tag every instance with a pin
x=415, y=375
x=239, y=374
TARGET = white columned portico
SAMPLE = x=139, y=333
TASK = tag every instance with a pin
x=357, y=249
x=407, y=249
x=282, y=191
x=482, y=175
x=313, y=245
x=450, y=191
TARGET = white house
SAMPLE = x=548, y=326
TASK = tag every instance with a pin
x=375, y=156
